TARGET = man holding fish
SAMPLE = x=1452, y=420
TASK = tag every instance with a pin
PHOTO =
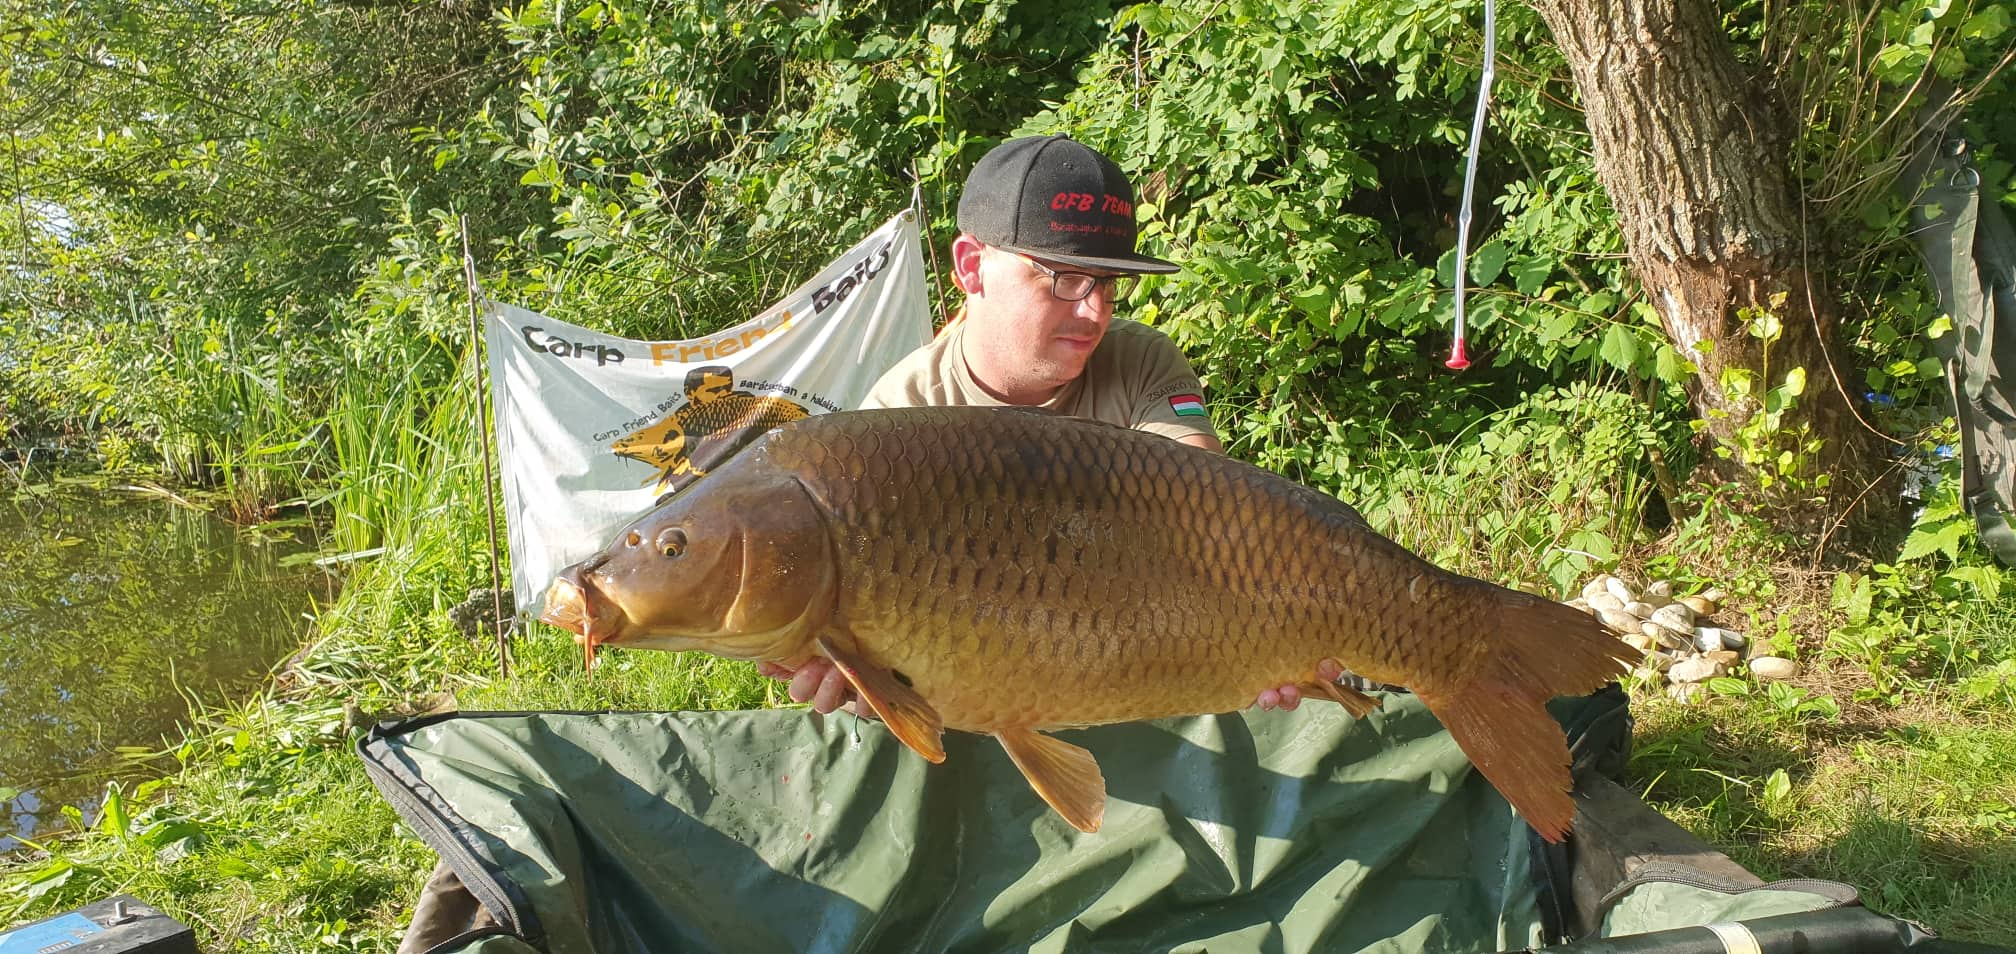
x=978, y=565
x=1045, y=251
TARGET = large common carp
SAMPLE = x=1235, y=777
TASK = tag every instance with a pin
x=1008, y=571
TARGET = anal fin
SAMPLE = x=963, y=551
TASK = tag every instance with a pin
x=1066, y=776
x=1357, y=703
x=913, y=720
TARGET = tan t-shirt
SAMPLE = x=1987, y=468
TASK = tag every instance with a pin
x=1136, y=378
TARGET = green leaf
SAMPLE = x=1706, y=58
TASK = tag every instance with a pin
x=1778, y=787
x=1620, y=348
x=1988, y=24
x=48, y=878
x=1560, y=324
x=1726, y=686
x=1984, y=580
x=1949, y=63
x=1900, y=64
x=112, y=818
x=1316, y=303
x=1531, y=274
x=232, y=866
x=1766, y=327
x=1667, y=366
x=1445, y=269
x=1925, y=541
x=1852, y=596
x=1594, y=543
x=1487, y=263
x=1795, y=382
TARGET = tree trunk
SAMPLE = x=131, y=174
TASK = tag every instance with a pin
x=1696, y=160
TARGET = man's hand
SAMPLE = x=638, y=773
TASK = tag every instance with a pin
x=1288, y=696
x=818, y=682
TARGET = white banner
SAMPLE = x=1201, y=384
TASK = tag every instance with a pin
x=592, y=429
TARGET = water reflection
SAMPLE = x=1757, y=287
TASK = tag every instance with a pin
x=114, y=610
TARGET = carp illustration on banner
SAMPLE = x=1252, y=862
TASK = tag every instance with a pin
x=716, y=421
x=593, y=429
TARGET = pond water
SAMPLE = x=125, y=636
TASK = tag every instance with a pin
x=117, y=608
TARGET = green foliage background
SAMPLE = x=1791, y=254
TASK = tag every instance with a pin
x=237, y=222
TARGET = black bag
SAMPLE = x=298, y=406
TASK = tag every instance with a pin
x=1970, y=251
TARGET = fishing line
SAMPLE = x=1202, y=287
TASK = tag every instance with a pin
x=1457, y=358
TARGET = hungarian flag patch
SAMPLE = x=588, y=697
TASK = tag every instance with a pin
x=1187, y=405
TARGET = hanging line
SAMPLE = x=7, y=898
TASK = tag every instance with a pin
x=1457, y=358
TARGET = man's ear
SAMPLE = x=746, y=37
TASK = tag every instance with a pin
x=966, y=263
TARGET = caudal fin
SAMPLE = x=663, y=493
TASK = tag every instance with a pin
x=1499, y=715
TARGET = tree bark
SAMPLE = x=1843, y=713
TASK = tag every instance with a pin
x=1696, y=158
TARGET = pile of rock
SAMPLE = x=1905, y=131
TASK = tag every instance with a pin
x=1682, y=645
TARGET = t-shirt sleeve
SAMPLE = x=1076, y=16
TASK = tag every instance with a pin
x=900, y=386
x=1169, y=397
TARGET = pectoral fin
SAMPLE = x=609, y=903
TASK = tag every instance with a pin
x=1065, y=775
x=914, y=722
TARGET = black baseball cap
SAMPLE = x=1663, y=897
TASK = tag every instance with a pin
x=1054, y=198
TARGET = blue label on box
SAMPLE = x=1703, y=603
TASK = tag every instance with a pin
x=55, y=934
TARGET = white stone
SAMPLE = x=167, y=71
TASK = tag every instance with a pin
x=1772, y=668
x=1674, y=617
x=1597, y=585
x=1659, y=593
x=1620, y=589
x=1684, y=692
x=1603, y=601
x=1696, y=669
x=1666, y=638
x=1712, y=638
x=1640, y=609
x=1623, y=624
x=1701, y=606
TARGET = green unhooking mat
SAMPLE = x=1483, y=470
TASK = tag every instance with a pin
x=783, y=830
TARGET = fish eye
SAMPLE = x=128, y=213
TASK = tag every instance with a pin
x=672, y=542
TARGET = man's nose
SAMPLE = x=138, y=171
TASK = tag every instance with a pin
x=1099, y=304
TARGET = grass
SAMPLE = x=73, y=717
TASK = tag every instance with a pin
x=549, y=676
x=1916, y=808
x=1914, y=804
x=270, y=839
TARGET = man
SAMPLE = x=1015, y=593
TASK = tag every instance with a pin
x=1046, y=247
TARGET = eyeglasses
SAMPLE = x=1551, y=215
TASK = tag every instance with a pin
x=1074, y=286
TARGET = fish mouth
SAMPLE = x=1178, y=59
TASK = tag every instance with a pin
x=574, y=604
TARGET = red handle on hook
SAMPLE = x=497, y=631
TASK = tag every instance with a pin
x=1457, y=359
